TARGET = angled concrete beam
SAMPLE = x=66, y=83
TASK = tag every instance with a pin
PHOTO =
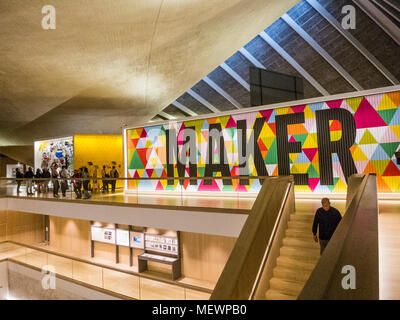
x=322, y=52
x=166, y=115
x=251, y=58
x=294, y=63
x=183, y=108
x=235, y=76
x=357, y=44
x=202, y=101
x=222, y=92
x=390, y=13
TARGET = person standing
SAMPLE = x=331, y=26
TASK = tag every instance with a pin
x=113, y=175
x=28, y=176
x=38, y=175
x=86, y=180
x=326, y=219
x=46, y=175
x=77, y=184
x=56, y=184
x=105, y=175
x=64, y=183
x=19, y=175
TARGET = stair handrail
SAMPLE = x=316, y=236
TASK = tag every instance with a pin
x=241, y=274
x=353, y=245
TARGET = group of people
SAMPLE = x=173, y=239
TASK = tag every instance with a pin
x=60, y=180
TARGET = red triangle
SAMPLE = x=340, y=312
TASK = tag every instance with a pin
x=273, y=127
x=310, y=153
x=266, y=114
x=391, y=170
x=159, y=186
x=335, y=104
x=297, y=109
x=336, y=126
x=149, y=172
x=231, y=123
x=292, y=139
x=367, y=117
x=144, y=155
x=136, y=175
x=262, y=145
x=143, y=134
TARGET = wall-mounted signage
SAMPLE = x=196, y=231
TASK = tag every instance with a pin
x=160, y=243
x=123, y=237
x=105, y=235
x=137, y=240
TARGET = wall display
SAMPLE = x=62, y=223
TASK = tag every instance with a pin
x=103, y=234
x=55, y=151
x=137, y=240
x=321, y=144
x=12, y=169
x=160, y=243
x=122, y=237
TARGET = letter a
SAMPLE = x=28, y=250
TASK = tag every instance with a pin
x=349, y=281
x=349, y=21
x=49, y=20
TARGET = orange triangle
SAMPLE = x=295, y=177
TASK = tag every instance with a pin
x=370, y=168
x=382, y=186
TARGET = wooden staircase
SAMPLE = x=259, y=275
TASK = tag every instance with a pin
x=298, y=256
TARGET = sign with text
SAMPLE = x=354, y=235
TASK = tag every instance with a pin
x=105, y=235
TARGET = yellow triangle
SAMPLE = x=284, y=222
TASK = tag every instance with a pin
x=392, y=182
x=311, y=141
x=281, y=111
x=357, y=154
x=396, y=130
x=308, y=113
x=354, y=103
x=340, y=187
x=386, y=103
x=293, y=156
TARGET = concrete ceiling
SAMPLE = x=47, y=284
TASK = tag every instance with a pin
x=111, y=63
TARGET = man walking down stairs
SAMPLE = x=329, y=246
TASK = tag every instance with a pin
x=298, y=257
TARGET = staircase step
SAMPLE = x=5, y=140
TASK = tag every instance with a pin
x=304, y=213
x=301, y=242
x=277, y=295
x=300, y=225
x=292, y=274
x=302, y=218
x=298, y=233
x=303, y=254
x=287, y=287
x=292, y=262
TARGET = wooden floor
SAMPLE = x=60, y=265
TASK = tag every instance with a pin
x=238, y=201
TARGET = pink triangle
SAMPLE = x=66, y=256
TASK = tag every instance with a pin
x=310, y=153
x=241, y=188
x=231, y=123
x=149, y=172
x=144, y=134
x=313, y=183
x=292, y=139
x=367, y=117
x=212, y=187
x=266, y=114
x=334, y=104
x=136, y=175
x=297, y=109
x=159, y=186
x=389, y=136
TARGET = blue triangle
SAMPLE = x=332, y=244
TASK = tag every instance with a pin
x=140, y=144
x=159, y=172
x=272, y=117
x=316, y=106
x=396, y=118
x=153, y=133
x=379, y=154
x=302, y=158
x=335, y=158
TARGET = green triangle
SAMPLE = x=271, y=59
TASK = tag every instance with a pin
x=387, y=115
x=136, y=163
x=368, y=138
x=272, y=155
x=201, y=171
x=231, y=131
x=301, y=137
x=380, y=165
x=331, y=187
x=390, y=148
x=227, y=188
x=312, y=173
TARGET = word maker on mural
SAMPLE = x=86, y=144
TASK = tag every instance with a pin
x=181, y=148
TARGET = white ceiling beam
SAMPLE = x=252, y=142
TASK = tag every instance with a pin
x=166, y=115
x=322, y=52
x=357, y=44
x=183, y=108
x=235, y=76
x=222, y=92
x=203, y=101
x=251, y=58
x=294, y=63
